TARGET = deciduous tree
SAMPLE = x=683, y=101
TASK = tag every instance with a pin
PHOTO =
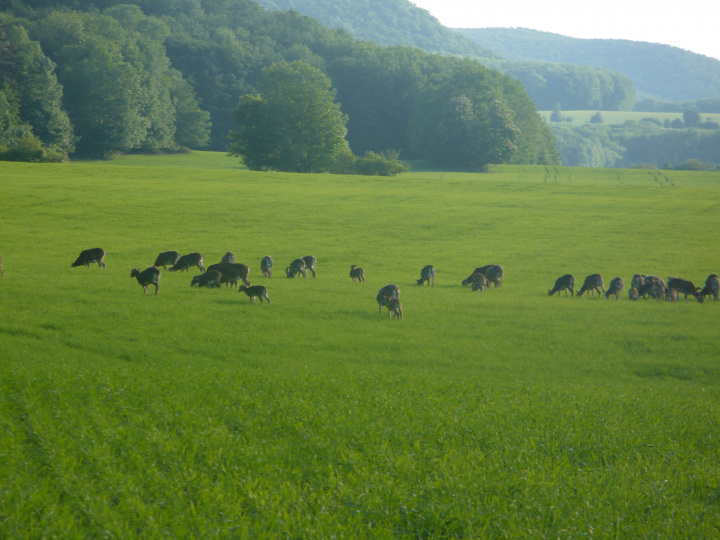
x=294, y=125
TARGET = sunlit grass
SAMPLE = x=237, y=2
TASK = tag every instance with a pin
x=504, y=413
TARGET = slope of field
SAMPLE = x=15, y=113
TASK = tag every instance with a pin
x=502, y=413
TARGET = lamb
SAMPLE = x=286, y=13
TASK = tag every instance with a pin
x=593, y=282
x=266, y=266
x=386, y=294
x=186, y=261
x=94, y=255
x=209, y=279
x=310, y=263
x=395, y=308
x=357, y=273
x=616, y=286
x=563, y=283
x=229, y=257
x=149, y=276
x=480, y=282
x=496, y=273
x=427, y=274
x=296, y=267
x=255, y=291
x=633, y=294
x=167, y=257
x=712, y=286
x=231, y=272
x=683, y=286
x=671, y=295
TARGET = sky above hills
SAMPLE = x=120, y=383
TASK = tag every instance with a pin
x=690, y=25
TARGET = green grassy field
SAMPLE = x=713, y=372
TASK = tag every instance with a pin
x=505, y=413
x=620, y=117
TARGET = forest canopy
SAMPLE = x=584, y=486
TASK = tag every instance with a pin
x=98, y=78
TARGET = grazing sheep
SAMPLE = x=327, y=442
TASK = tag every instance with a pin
x=638, y=281
x=186, y=261
x=296, y=267
x=395, y=308
x=485, y=270
x=657, y=287
x=255, y=291
x=231, y=272
x=427, y=274
x=563, y=283
x=633, y=294
x=480, y=282
x=94, y=255
x=616, y=286
x=229, y=257
x=671, y=295
x=712, y=286
x=357, y=273
x=683, y=286
x=266, y=266
x=593, y=282
x=149, y=276
x=167, y=258
x=646, y=289
x=495, y=275
x=310, y=263
x=386, y=294
x=209, y=279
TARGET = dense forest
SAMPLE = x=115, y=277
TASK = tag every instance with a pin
x=399, y=22
x=658, y=71
x=104, y=77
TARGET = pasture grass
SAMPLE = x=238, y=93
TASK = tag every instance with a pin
x=497, y=414
x=620, y=117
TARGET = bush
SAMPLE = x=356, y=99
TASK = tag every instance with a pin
x=695, y=165
x=655, y=121
x=643, y=166
x=382, y=164
x=31, y=150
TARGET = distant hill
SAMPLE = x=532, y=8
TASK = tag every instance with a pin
x=387, y=22
x=399, y=22
x=658, y=71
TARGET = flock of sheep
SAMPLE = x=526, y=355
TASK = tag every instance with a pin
x=645, y=286
x=230, y=272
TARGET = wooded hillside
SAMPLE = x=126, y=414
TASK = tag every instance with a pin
x=658, y=71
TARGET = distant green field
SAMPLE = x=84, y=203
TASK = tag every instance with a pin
x=620, y=117
x=506, y=413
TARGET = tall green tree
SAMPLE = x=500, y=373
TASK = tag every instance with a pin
x=31, y=95
x=103, y=92
x=294, y=125
x=471, y=116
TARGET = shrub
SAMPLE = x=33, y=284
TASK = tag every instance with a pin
x=382, y=164
x=31, y=149
x=695, y=165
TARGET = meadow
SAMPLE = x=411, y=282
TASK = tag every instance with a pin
x=620, y=117
x=500, y=414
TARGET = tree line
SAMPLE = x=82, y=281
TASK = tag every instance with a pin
x=91, y=78
x=633, y=144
